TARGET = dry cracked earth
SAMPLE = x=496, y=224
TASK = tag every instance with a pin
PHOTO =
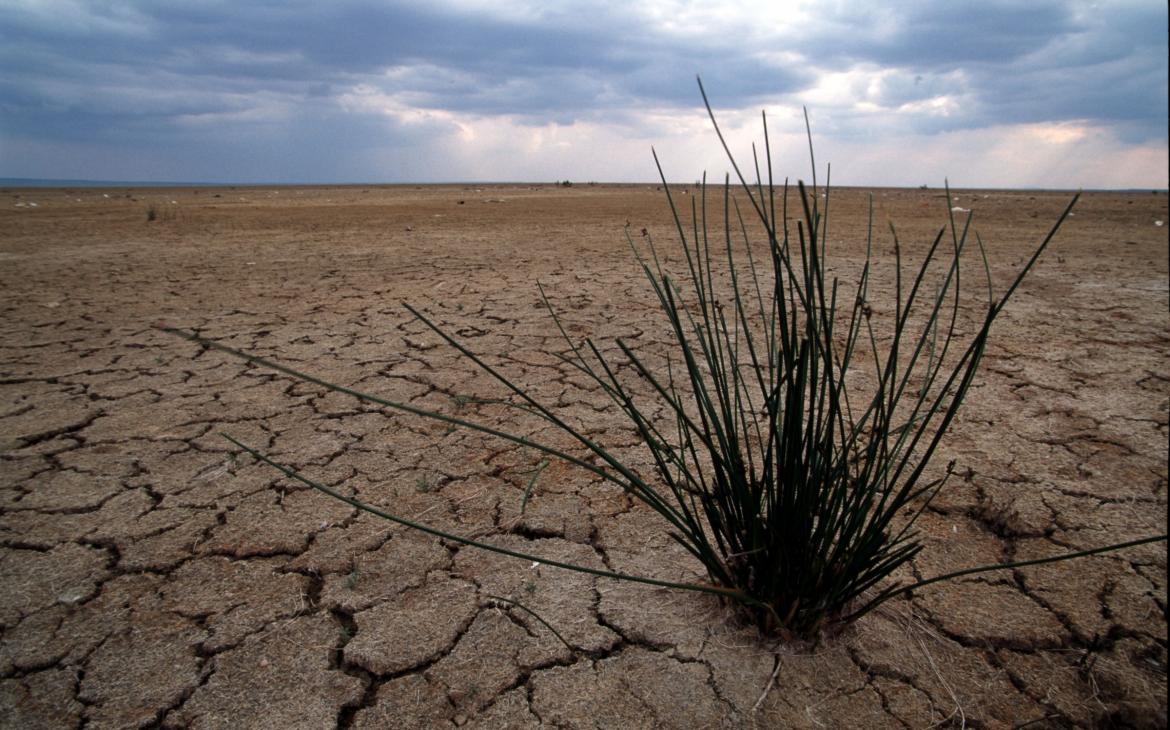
x=153, y=577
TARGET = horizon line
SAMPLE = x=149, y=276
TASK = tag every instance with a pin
x=50, y=183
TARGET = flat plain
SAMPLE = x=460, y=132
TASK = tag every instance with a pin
x=152, y=578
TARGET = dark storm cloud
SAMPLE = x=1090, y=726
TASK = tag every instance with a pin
x=188, y=77
x=137, y=74
x=1012, y=62
x=494, y=65
x=937, y=34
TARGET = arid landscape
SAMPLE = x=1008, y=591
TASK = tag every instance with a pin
x=153, y=577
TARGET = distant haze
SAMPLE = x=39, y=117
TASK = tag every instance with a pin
x=992, y=94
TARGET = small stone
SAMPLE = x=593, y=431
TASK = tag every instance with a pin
x=72, y=597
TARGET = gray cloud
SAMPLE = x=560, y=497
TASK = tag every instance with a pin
x=1013, y=62
x=257, y=86
x=938, y=35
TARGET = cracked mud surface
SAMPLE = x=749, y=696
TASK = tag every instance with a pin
x=151, y=579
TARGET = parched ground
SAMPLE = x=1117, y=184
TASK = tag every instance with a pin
x=149, y=577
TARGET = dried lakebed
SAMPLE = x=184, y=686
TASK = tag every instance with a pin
x=150, y=579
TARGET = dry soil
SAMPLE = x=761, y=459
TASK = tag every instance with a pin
x=151, y=578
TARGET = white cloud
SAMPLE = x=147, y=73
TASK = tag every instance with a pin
x=1025, y=155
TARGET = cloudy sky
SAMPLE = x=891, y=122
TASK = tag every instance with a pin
x=993, y=94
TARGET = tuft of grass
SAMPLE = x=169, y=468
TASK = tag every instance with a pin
x=792, y=424
x=532, y=483
x=460, y=401
x=164, y=213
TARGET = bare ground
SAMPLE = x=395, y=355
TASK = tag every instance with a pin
x=150, y=579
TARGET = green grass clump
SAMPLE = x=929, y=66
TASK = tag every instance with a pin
x=791, y=433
